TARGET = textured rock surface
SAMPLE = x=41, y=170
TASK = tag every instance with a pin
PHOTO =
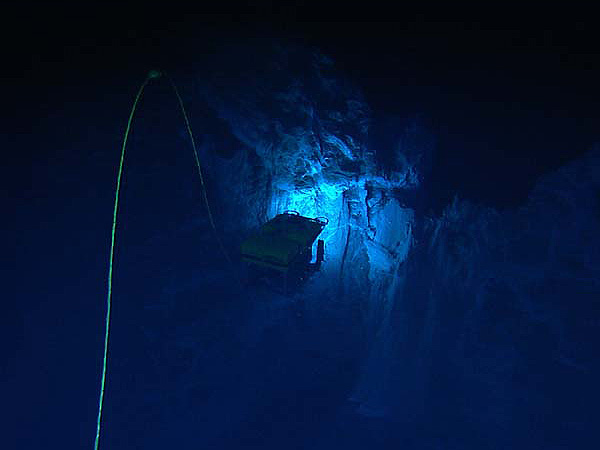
x=307, y=148
x=495, y=320
x=460, y=331
x=457, y=316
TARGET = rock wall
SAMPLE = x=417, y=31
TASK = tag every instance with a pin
x=305, y=145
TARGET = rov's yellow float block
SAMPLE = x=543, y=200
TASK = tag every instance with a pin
x=283, y=241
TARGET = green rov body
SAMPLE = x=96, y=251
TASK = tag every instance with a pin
x=284, y=243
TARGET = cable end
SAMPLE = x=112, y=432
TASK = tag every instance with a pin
x=154, y=74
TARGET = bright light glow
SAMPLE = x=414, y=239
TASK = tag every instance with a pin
x=321, y=201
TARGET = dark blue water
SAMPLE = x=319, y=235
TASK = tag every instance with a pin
x=197, y=360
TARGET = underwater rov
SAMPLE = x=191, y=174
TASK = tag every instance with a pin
x=282, y=248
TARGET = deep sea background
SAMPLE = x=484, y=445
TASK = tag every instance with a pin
x=454, y=151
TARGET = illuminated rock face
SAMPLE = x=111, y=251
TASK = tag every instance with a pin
x=449, y=315
x=305, y=148
x=495, y=297
x=305, y=145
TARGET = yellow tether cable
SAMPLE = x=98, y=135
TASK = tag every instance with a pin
x=153, y=74
x=197, y=159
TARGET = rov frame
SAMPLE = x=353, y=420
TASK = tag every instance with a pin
x=283, y=246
